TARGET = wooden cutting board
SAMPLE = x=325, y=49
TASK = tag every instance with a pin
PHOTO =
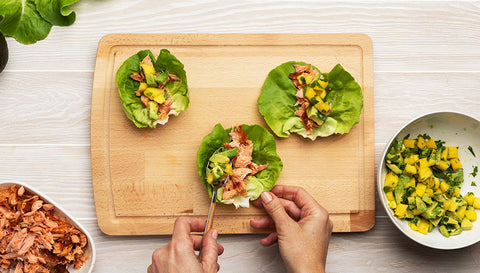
x=144, y=179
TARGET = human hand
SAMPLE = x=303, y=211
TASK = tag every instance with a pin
x=179, y=254
x=303, y=228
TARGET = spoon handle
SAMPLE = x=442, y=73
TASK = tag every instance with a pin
x=209, y=223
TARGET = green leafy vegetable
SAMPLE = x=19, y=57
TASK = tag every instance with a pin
x=277, y=102
x=473, y=184
x=475, y=171
x=471, y=150
x=264, y=152
x=29, y=21
x=132, y=105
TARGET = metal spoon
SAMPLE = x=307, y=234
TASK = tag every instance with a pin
x=213, y=202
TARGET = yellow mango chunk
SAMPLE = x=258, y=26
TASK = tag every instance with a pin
x=142, y=86
x=309, y=93
x=444, y=186
x=390, y=196
x=455, y=163
x=429, y=192
x=421, y=142
x=410, y=169
x=391, y=180
x=392, y=204
x=401, y=210
x=452, y=152
x=471, y=215
x=420, y=189
x=147, y=69
x=442, y=165
x=411, y=183
x=461, y=212
x=476, y=203
x=431, y=144
x=409, y=143
x=470, y=198
x=444, y=154
x=423, y=226
x=423, y=163
x=412, y=226
x=424, y=173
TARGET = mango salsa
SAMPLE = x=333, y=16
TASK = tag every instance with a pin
x=423, y=183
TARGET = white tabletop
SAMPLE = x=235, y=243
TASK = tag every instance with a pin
x=426, y=58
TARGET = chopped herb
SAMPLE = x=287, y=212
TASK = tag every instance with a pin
x=430, y=125
x=425, y=136
x=475, y=171
x=471, y=150
x=474, y=184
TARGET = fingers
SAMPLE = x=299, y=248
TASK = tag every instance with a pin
x=210, y=251
x=197, y=242
x=183, y=227
x=270, y=239
x=274, y=208
x=263, y=223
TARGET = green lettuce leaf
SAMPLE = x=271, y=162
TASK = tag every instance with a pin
x=277, y=101
x=264, y=152
x=132, y=105
x=29, y=21
x=56, y=12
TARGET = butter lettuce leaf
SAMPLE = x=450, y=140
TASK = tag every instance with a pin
x=132, y=105
x=29, y=21
x=264, y=152
x=277, y=101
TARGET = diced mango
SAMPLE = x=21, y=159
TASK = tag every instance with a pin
x=410, y=169
x=471, y=215
x=421, y=142
x=456, y=193
x=424, y=173
x=444, y=186
x=450, y=205
x=412, y=226
x=391, y=180
x=411, y=183
x=147, y=69
x=155, y=94
x=452, y=152
x=321, y=93
x=437, y=182
x=420, y=189
x=461, y=212
x=309, y=93
x=390, y=196
x=401, y=210
x=429, y=192
x=423, y=163
x=308, y=78
x=322, y=84
x=431, y=144
x=442, y=165
x=476, y=203
x=323, y=107
x=423, y=226
x=392, y=204
x=415, y=211
x=470, y=198
x=142, y=86
x=455, y=163
x=431, y=162
x=409, y=143
x=444, y=154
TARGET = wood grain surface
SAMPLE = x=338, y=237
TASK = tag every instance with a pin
x=150, y=175
x=426, y=58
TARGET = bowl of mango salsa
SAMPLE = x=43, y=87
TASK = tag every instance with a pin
x=427, y=180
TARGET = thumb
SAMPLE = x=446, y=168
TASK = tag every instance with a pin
x=210, y=251
x=275, y=209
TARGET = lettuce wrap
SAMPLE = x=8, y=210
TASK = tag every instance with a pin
x=263, y=154
x=280, y=96
x=158, y=90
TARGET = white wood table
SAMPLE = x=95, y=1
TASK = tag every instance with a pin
x=426, y=58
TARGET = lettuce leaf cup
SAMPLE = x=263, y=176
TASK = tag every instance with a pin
x=152, y=89
x=247, y=159
x=297, y=98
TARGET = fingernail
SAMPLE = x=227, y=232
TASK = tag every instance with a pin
x=266, y=197
x=214, y=234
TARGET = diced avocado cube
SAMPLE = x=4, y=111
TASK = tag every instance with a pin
x=466, y=224
x=456, y=231
x=152, y=108
x=230, y=153
x=312, y=113
x=155, y=94
x=421, y=206
x=147, y=69
x=162, y=78
x=217, y=173
x=394, y=168
x=443, y=230
x=150, y=78
x=218, y=158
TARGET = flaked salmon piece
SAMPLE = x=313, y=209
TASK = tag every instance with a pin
x=257, y=168
x=229, y=194
x=240, y=173
x=27, y=243
x=48, y=207
x=19, y=268
x=147, y=60
x=173, y=77
x=137, y=77
x=21, y=191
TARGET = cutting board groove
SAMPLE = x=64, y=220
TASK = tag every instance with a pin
x=144, y=179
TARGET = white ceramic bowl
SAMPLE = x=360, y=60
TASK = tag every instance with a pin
x=91, y=252
x=456, y=129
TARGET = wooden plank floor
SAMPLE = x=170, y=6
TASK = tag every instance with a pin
x=426, y=58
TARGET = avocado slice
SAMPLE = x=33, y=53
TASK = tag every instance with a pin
x=466, y=224
x=230, y=153
x=394, y=168
x=218, y=158
x=444, y=231
x=315, y=115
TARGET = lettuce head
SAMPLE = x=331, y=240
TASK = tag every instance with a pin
x=277, y=101
x=264, y=152
x=131, y=103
